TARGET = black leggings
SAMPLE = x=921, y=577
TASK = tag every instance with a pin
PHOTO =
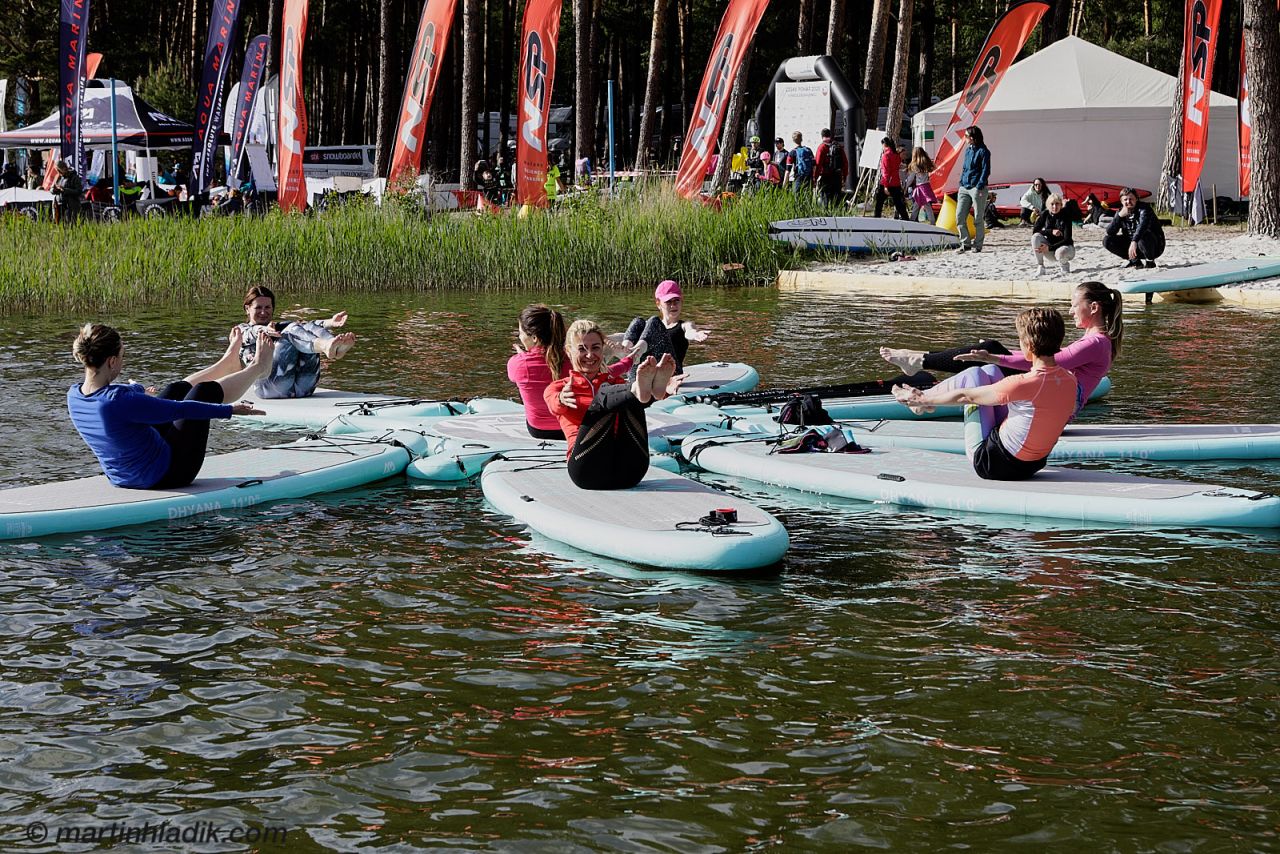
x=992, y=461
x=894, y=194
x=945, y=360
x=539, y=433
x=187, y=438
x=1150, y=246
x=612, y=448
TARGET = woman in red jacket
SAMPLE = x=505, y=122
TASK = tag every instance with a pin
x=602, y=416
x=890, y=185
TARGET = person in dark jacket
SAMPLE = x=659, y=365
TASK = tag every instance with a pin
x=1051, y=235
x=974, y=175
x=1135, y=233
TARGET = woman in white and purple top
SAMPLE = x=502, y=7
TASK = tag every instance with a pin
x=1095, y=308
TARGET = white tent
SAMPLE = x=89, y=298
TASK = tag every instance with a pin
x=1077, y=112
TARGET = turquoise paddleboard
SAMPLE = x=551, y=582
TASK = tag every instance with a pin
x=659, y=522
x=1202, y=275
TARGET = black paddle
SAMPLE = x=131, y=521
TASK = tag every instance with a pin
x=921, y=380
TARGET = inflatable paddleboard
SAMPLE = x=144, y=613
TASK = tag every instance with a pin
x=326, y=404
x=860, y=234
x=916, y=478
x=1202, y=276
x=659, y=522
x=1094, y=441
x=718, y=378
x=233, y=481
x=459, y=448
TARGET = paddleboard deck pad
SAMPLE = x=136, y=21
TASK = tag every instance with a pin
x=234, y=481
x=656, y=523
x=916, y=478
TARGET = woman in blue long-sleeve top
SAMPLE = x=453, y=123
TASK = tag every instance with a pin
x=145, y=442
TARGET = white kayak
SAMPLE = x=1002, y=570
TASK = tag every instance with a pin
x=860, y=234
x=916, y=478
x=236, y=481
x=662, y=522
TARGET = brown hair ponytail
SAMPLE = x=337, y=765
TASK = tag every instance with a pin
x=547, y=326
x=1112, y=305
x=95, y=344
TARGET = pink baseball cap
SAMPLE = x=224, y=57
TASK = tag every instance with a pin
x=667, y=290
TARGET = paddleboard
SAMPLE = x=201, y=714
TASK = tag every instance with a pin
x=234, y=481
x=1094, y=441
x=317, y=410
x=1202, y=275
x=656, y=523
x=718, y=378
x=458, y=448
x=861, y=234
x=916, y=478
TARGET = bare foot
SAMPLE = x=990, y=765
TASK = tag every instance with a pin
x=665, y=371
x=262, y=358
x=642, y=387
x=905, y=395
x=339, y=345
x=910, y=362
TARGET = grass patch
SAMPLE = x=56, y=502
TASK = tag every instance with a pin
x=586, y=243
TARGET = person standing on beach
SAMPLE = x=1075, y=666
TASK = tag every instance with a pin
x=890, y=183
x=973, y=191
x=833, y=167
x=803, y=164
x=922, y=195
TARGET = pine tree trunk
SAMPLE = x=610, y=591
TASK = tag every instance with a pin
x=835, y=28
x=901, y=63
x=875, y=62
x=804, y=29
x=505, y=76
x=1173, y=149
x=382, y=138
x=653, y=82
x=470, y=91
x=732, y=121
x=1262, y=59
x=584, y=104
x=924, y=93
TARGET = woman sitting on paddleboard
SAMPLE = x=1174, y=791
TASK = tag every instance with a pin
x=1011, y=423
x=665, y=332
x=602, y=416
x=145, y=442
x=1095, y=308
x=540, y=359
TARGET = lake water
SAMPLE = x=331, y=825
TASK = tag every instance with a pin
x=399, y=668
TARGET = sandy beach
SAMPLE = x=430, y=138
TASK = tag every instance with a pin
x=1006, y=254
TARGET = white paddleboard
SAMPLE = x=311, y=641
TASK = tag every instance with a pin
x=234, y=481
x=1202, y=275
x=916, y=478
x=861, y=234
x=655, y=523
x=326, y=404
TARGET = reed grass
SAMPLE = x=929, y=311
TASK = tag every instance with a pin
x=586, y=243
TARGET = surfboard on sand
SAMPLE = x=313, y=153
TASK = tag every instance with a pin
x=235, y=481
x=661, y=522
x=916, y=478
x=1209, y=275
x=860, y=234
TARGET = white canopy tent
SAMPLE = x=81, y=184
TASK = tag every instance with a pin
x=1078, y=112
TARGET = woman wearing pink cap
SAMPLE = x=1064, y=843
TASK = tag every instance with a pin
x=665, y=332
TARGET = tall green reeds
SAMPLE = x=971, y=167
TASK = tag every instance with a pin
x=587, y=242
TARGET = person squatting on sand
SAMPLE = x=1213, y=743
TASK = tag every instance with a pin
x=601, y=415
x=145, y=442
x=1095, y=308
x=665, y=332
x=1135, y=233
x=1011, y=423
x=295, y=371
x=1051, y=235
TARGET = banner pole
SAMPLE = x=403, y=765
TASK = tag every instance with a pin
x=613, y=179
x=115, y=149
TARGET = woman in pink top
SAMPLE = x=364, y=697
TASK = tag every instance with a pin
x=1095, y=308
x=1011, y=423
x=540, y=359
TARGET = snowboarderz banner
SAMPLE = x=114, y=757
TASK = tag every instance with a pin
x=255, y=62
x=73, y=27
x=537, y=72
x=424, y=73
x=1001, y=48
x=292, y=130
x=1244, y=131
x=223, y=23
x=712, y=99
x=1201, y=39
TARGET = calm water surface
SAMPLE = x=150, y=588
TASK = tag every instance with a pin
x=398, y=668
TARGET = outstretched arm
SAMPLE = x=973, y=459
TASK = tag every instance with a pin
x=694, y=334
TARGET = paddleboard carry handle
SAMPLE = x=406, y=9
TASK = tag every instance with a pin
x=896, y=478
x=248, y=483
